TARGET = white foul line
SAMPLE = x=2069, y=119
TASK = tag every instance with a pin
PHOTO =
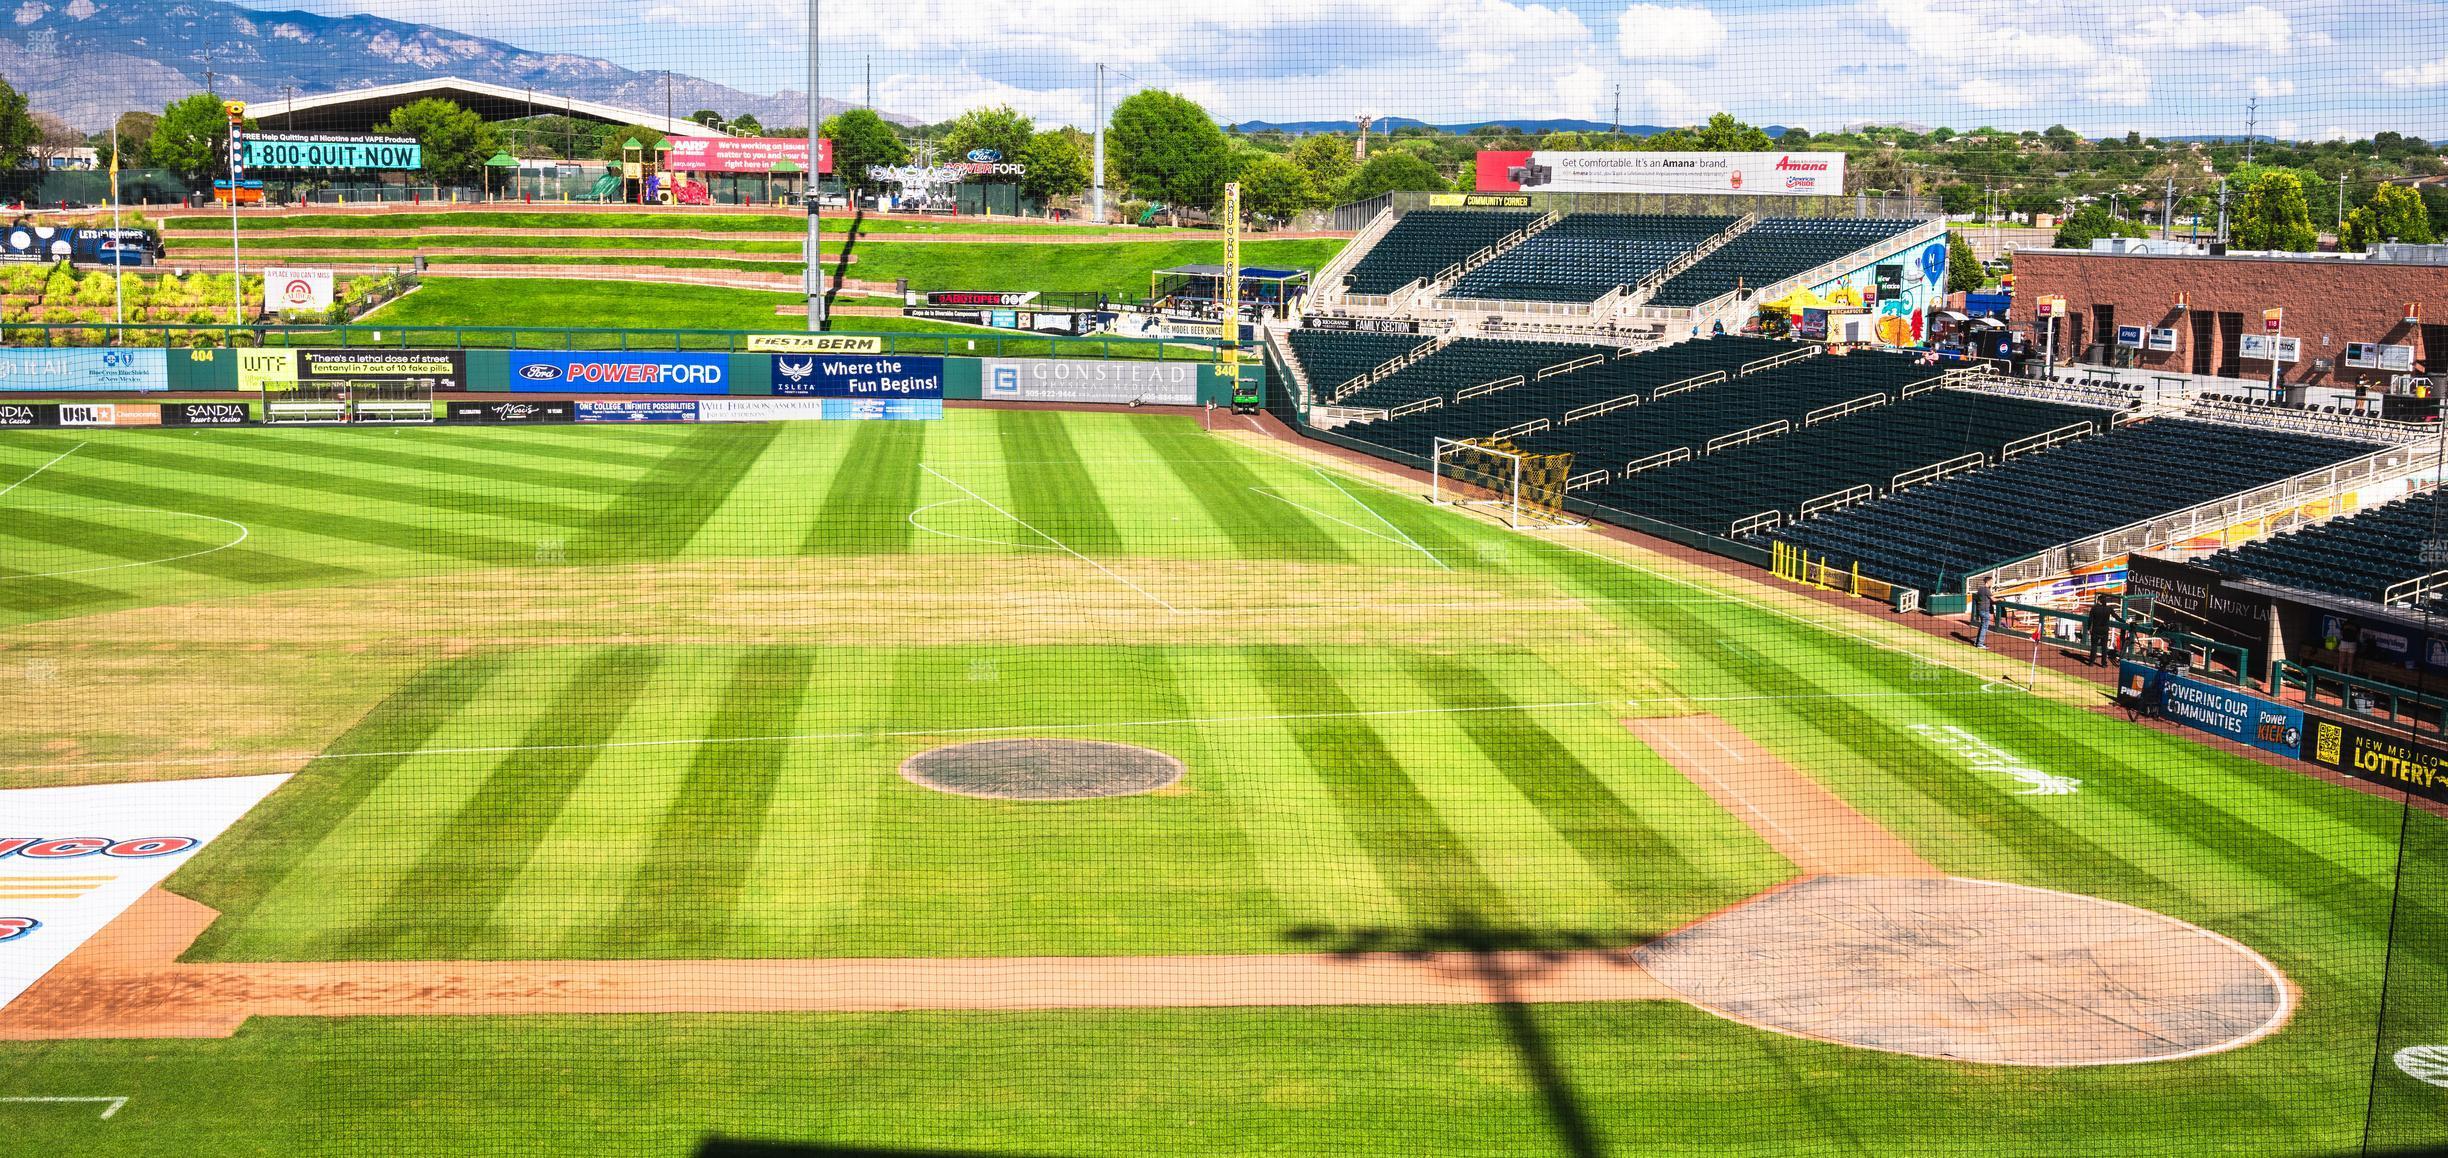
x=1109, y=572
x=1406, y=535
x=112, y=1106
x=38, y=470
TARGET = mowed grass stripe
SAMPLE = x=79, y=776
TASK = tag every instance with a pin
x=368, y=448
x=135, y=545
x=810, y=862
x=1427, y=865
x=700, y=856
x=1261, y=527
x=867, y=507
x=1635, y=859
x=35, y=595
x=445, y=902
x=657, y=515
x=1050, y=488
x=388, y=488
x=583, y=444
x=414, y=540
x=272, y=843
x=774, y=501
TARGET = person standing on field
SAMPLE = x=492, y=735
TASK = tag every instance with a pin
x=2096, y=624
x=1984, y=602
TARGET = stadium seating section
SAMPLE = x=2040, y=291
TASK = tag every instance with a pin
x=1868, y=449
x=2360, y=556
x=1427, y=241
x=1332, y=357
x=1585, y=256
x=1931, y=537
x=1464, y=363
x=1773, y=249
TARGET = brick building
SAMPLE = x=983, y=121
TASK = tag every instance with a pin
x=2191, y=313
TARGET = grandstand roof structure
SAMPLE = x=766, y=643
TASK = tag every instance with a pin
x=359, y=110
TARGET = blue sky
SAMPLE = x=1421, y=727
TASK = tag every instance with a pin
x=2319, y=68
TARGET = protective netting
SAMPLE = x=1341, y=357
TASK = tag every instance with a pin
x=480, y=676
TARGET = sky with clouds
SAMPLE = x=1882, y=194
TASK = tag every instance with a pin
x=2318, y=67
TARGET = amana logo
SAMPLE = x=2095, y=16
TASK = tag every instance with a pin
x=1787, y=164
x=539, y=372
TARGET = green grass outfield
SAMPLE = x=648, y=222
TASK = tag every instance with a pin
x=704, y=221
x=640, y=692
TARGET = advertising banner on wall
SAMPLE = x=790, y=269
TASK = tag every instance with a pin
x=872, y=376
x=2392, y=759
x=1066, y=380
x=205, y=414
x=446, y=369
x=524, y=413
x=636, y=411
x=109, y=414
x=867, y=409
x=760, y=410
x=263, y=150
x=2192, y=599
x=536, y=371
x=1364, y=325
x=28, y=414
x=815, y=344
x=1753, y=174
x=292, y=291
x=118, y=370
x=2220, y=710
x=744, y=154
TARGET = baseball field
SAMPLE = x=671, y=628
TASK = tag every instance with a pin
x=1057, y=783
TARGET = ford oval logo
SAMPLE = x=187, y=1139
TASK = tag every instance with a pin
x=985, y=156
x=539, y=372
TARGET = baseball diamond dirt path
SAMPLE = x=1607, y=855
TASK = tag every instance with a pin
x=1873, y=947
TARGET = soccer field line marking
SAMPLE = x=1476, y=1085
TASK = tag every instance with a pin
x=1715, y=594
x=1380, y=517
x=913, y=521
x=243, y=532
x=986, y=729
x=110, y=1107
x=1109, y=572
x=38, y=470
x=1374, y=534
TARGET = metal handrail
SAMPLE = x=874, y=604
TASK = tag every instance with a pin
x=1838, y=410
x=1741, y=438
x=2411, y=592
x=380, y=336
x=1838, y=500
x=1661, y=458
x=1483, y=389
x=1694, y=382
x=1937, y=470
x=2032, y=443
x=1595, y=409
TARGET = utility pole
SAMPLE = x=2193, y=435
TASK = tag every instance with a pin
x=2221, y=235
x=667, y=103
x=1615, y=121
x=815, y=267
x=869, y=61
x=1096, y=197
x=2167, y=210
x=2252, y=118
x=2341, y=213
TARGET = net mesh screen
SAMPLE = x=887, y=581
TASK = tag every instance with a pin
x=478, y=676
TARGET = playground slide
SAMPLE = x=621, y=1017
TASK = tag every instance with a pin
x=607, y=187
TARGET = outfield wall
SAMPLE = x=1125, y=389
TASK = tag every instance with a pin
x=35, y=374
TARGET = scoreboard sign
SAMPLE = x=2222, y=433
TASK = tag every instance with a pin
x=326, y=151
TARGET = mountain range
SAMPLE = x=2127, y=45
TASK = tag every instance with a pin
x=87, y=61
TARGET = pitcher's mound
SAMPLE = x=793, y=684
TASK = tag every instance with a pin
x=1042, y=769
x=1973, y=971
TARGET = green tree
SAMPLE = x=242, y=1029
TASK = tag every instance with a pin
x=707, y=117
x=1722, y=134
x=746, y=125
x=861, y=138
x=1392, y=172
x=1001, y=128
x=19, y=135
x=2092, y=221
x=189, y=139
x=2395, y=213
x=1327, y=158
x=1275, y=189
x=129, y=136
x=1057, y=165
x=2276, y=216
x=457, y=142
x=1168, y=149
x=1959, y=199
x=1964, y=272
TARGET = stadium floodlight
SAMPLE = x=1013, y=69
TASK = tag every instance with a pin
x=815, y=186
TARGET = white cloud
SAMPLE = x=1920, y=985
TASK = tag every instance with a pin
x=2430, y=75
x=2266, y=88
x=1982, y=92
x=1975, y=36
x=2123, y=81
x=1669, y=104
x=2253, y=28
x=1657, y=32
x=940, y=96
x=1581, y=92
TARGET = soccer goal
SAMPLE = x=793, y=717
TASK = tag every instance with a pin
x=1525, y=491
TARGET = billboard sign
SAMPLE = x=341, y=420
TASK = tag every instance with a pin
x=290, y=291
x=521, y=413
x=2256, y=347
x=2391, y=759
x=261, y=150
x=815, y=344
x=109, y=414
x=2221, y=711
x=744, y=154
x=1066, y=380
x=872, y=376
x=205, y=414
x=868, y=409
x=2131, y=337
x=547, y=371
x=1364, y=325
x=1753, y=174
x=28, y=414
x=119, y=370
x=974, y=298
x=656, y=411
x=446, y=369
x=761, y=410
x=2163, y=340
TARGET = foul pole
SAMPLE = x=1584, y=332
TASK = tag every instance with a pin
x=1228, y=355
x=815, y=182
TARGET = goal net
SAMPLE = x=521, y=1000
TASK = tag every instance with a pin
x=1522, y=488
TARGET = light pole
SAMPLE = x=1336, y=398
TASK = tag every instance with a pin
x=1096, y=208
x=815, y=279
